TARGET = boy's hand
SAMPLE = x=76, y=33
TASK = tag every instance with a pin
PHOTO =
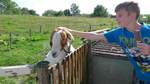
x=63, y=28
x=144, y=48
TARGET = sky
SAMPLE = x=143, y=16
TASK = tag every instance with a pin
x=85, y=6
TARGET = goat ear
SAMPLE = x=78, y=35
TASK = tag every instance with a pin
x=69, y=35
x=63, y=39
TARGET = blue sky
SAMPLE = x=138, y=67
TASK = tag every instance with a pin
x=85, y=6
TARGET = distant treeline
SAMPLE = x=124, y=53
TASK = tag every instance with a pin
x=9, y=7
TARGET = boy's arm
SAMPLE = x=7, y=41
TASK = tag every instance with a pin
x=86, y=35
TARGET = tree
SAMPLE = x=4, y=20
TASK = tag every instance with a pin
x=67, y=12
x=52, y=13
x=101, y=11
x=10, y=7
x=2, y=7
x=32, y=12
x=49, y=13
x=59, y=13
x=24, y=11
x=16, y=11
x=75, y=9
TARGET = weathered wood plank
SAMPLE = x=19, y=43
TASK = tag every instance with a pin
x=43, y=76
x=16, y=70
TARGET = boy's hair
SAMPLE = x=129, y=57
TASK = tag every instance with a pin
x=129, y=7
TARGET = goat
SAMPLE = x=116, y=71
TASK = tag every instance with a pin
x=61, y=45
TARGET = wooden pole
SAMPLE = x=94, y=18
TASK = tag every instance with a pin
x=10, y=40
x=90, y=27
x=30, y=33
x=40, y=29
x=43, y=77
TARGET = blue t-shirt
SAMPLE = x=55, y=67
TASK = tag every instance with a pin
x=121, y=34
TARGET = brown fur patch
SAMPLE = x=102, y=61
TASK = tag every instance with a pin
x=64, y=37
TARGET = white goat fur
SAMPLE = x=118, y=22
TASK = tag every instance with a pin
x=56, y=47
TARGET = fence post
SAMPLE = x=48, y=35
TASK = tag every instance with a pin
x=10, y=40
x=40, y=29
x=30, y=33
x=43, y=76
x=89, y=65
x=90, y=27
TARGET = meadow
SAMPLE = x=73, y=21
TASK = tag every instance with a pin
x=25, y=39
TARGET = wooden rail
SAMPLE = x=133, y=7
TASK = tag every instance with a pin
x=72, y=70
x=16, y=70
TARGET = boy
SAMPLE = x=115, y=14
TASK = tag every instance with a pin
x=127, y=14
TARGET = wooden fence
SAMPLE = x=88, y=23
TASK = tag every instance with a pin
x=72, y=70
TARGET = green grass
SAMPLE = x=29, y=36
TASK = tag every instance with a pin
x=29, y=48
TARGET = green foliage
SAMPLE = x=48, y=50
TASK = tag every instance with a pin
x=148, y=18
x=26, y=11
x=67, y=12
x=2, y=8
x=29, y=79
x=144, y=18
x=74, y=9
x=2, y=42
x=22, y=39
x=59, y=13
x=10, y=7
x=32, y=12
x=36, y=38
x=4, y=37
x=100, y=11
x=52, y=13
x=49, y=13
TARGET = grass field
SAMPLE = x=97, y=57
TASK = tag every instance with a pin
x=25, y=39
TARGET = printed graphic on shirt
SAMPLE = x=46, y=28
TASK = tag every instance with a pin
x=129, y=42
x=142, y=61
x=146, y=40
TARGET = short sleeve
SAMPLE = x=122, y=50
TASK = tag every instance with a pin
x=112, y=36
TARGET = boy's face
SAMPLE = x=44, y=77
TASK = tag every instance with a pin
x=123, y=18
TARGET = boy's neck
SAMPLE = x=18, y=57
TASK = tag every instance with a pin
x=132, y=27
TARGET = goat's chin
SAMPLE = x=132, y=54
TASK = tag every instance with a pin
x=55, y=60
x=72, y=49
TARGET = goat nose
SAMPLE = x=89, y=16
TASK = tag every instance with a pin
x=54, y=54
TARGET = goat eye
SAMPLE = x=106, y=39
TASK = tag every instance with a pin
x=54, y=54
